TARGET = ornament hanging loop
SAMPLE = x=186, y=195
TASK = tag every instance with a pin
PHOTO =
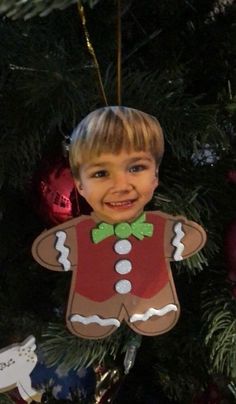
x=91, y=50
x=119, y=42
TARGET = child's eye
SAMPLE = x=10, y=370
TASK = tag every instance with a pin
x=137, y=168
x=100, y=174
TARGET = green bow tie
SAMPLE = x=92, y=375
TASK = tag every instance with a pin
x=139, y=228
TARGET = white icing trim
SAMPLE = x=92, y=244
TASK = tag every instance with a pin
x=176, y=242
x=63, y=258
x=153, y=312
x=95, y=319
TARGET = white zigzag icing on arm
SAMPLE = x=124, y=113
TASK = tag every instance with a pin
x=179, y=234
x=153, y=312
x=95, y=319
x=63, y=258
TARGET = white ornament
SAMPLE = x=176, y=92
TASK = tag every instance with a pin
x=16, y=363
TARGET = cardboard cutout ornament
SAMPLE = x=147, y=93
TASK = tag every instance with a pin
x=16, y=363
x=119, y=276
x=120, y=269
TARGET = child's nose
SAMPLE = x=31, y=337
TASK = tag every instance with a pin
x=121, y=182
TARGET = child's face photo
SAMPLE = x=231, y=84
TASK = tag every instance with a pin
x=118, y=186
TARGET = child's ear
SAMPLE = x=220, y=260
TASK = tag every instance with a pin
x=79, y=187
x=157, y=177
x=156, y=182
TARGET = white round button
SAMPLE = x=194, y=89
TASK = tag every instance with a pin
x=123, y=247
x=123, y=267
x=123, y=286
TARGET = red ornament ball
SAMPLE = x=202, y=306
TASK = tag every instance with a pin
x=57, y=199
x=233, y=292
x=232, y=276
x=231, y=176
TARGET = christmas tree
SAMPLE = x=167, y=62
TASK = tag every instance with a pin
x=59, y=61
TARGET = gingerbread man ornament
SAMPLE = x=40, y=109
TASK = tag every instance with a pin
x=120, y=272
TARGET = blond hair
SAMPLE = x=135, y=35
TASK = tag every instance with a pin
x=111, y=129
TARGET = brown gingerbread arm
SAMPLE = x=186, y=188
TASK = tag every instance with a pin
x=183, y=237
x=51, y=249
x=56, y=248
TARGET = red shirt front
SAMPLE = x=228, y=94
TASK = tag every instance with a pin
x=96, y=274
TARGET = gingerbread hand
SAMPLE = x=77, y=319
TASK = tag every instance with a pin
x=56, y=249
x=183, y=237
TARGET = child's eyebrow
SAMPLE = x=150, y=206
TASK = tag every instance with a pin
x=103, y=164
x=95, y=165
x=137, y=159
x=129, y=160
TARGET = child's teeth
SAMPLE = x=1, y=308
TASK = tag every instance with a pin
x=120, y=203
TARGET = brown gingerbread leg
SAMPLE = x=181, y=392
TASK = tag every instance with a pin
x=94, y=320
x=157, y=315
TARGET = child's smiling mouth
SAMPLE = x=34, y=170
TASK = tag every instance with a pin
x=121, y=204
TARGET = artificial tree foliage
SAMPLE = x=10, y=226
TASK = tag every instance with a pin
x=178, y=63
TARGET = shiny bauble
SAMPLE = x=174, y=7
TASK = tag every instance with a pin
x=55, y=195
x=231, y=176
x=233, y=292
x=58, y=383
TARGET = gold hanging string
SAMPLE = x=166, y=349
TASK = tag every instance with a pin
x=119, y=41
x=91, y=50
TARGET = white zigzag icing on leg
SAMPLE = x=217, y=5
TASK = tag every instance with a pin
x=95, y=319
x=153, y=312
x=63, y=258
